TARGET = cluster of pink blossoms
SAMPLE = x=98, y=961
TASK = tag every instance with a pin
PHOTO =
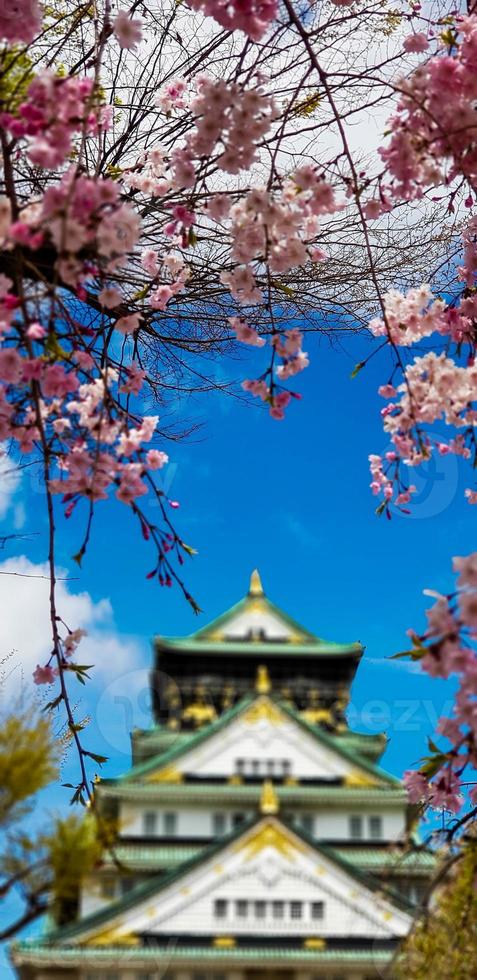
x=435, y=388
x=173, y=95
x=253, y=17
x=448, y=648
x=55, y=109
x=278, y=227
x=86, y=221
x=169, y=276
x=93, y=442
x=275, y=229
x=238, y=117
x=410, y=317
x=289, y=348
x=436, y=121
x=69, y=644
x=20, y=20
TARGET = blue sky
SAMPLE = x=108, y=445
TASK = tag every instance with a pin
x=291, y=498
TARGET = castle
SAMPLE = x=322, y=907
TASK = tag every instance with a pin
x=258, y=837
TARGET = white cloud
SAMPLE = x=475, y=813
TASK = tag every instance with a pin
x=25, y=632
x=10, y=478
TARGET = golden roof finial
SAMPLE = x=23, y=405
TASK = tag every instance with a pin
x=263, y=683
x=256, y=587
x=269, y=800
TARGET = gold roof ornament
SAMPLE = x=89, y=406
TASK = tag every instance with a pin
x=256, y=587
x=269, y=803
x=359, y=780
x=315, y=716
x=199, y=713
x=263, y=684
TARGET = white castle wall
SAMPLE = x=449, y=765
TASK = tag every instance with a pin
x=198, y=822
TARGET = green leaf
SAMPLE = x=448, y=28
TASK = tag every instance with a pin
x=359, y=367
x=431, y=766
x=141, y=293
x=416, y=654
x=187, y=547
x=281, y=286
x=53, y=704
x=100, y=759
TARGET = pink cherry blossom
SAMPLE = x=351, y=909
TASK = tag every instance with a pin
x=11, y=365
x=44, y=675
x=245, y=333
x=467, y=568
x=20, y=20
x=128, y=32
x=416, y=43
x=251, y=16
x=109, y=297
x=160, y=297
x=57, y=382
x=72, y=640
x=135, y=379
x=156, y=459
x=416, y=785
x=128, y=324
x=36, y=331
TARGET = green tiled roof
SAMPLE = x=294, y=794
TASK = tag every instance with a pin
x=34, y=953
x=371, y=746
x=150, y=856
x=206, y=637
x=203, y=793
x=156, y=883
x=263, y=647
x=159, y=740
x=318, y=734
x=396, y=860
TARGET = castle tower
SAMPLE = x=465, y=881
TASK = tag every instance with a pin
x=258, y=837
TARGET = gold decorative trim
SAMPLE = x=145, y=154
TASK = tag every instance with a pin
x=216, y=635
x=316, y=715
x=168, y=775
x=314, y=942
x=269, y=802
x=256, y=606
x=200, y=714
x=263, y=684
x=255, y=587
x=224, y=942
x=263, y=709
x=295, y=636
x=269, y=833
x=235, y=780
x=359, y=779
x=113, y=937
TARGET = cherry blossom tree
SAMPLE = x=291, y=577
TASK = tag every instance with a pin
x=180, y=180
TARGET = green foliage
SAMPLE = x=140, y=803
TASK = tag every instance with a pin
x=444, y=943
x=307, y=106
x=28, y=761
x=15, y=76
x=74, y=848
